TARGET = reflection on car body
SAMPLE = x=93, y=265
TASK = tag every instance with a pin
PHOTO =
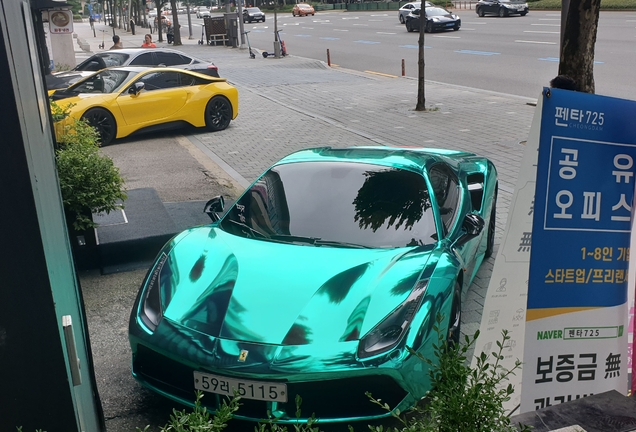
x=437, y=19
x=315, y=282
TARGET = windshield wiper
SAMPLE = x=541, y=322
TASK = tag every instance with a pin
x=316, y=241
x=254, y=232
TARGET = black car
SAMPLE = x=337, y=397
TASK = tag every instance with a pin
x=501, y=8
x=437, y=19
x=253, y=14
x=132, y=57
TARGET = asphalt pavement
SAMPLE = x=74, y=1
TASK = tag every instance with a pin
x=285, y=104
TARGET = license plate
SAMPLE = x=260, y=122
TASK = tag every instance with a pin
x=258, y=390
x=450, y=24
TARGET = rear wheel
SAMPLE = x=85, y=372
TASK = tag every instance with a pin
x=490, y=242
x=401, y=19
x=455, y=319
x=218, y=113
x=104, y=122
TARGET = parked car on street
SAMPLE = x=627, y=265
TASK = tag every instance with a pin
x=132, y=57
x=251, y=14
x=323, y=280
x=409, y=7
x=302, y=9
x=119, y=101
x=437, y=19
x=502, y=8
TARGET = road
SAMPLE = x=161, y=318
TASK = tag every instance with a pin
x=514, y=55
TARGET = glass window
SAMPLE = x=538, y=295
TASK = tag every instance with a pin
x=446, y=190
x=107, y=81
x=168, y=59
x=160, y=80
x=336, y=204
x=144, y=59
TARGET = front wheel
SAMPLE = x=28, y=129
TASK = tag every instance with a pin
x=104, y=122
x=523, y=13
x=503, y=12
x=456, y=28
x=409, y=28
x=480, y=12
x=401, y=19
x=429, y=27
x=218, y=113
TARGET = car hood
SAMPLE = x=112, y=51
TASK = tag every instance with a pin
x=271, y=293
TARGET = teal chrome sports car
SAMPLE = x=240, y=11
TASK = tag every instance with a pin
x=316, y=281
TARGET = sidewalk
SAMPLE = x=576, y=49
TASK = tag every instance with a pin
x=285, y=105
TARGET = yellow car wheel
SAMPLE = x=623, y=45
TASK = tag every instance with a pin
x=104, y=122
x=218, y=113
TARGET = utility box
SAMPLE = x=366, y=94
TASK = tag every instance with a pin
x=215, y=30
x=231, y=24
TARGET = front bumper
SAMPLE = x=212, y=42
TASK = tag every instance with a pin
x=331, y=386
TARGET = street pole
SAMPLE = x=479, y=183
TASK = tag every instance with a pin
x=276, y=42
x=239, y=11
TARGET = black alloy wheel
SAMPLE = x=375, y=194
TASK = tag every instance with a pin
x=455, y=319
x=490, y=241
x=218, y=113
x=456, y=27
x=104, y=122
x=429, y=27
x=503, y=12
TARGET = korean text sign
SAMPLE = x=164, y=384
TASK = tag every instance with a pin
x=576, y=338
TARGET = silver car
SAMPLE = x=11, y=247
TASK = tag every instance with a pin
x=410, y=7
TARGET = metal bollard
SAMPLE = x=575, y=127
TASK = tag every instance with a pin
x=403, y=68
x=328, y=58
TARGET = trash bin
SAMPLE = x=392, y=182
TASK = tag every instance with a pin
x=231, y=25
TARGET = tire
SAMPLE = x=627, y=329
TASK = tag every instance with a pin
x=409, y=28
x=455, y=318
x=490, y=242
x=293, y=14
x=104, y=122
x=480, y=12
x=401, y=19
x=218, y=114
x=456, y=28
x=503, y=12
x=429, y=27
x=263, y=19
x=523, y=13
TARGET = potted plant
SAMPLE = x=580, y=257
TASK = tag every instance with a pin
x=89, y=182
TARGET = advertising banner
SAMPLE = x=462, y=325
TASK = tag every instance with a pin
x=506, y=297
x=576, y=320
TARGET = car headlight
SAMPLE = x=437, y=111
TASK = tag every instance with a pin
x=389, y=332
x=509, y=6
x=151, y=310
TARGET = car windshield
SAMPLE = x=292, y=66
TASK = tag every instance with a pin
x=435, y=11
x=252, y=10
x=303, y=6
x=106, y=81
x=335, y=204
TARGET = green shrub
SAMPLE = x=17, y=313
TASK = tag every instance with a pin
x=89, y=181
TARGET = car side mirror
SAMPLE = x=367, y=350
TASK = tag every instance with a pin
x=213, y=207
x=136, y=88
x=472, y=225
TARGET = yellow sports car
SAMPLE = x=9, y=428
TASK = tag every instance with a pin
x=121, y=100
